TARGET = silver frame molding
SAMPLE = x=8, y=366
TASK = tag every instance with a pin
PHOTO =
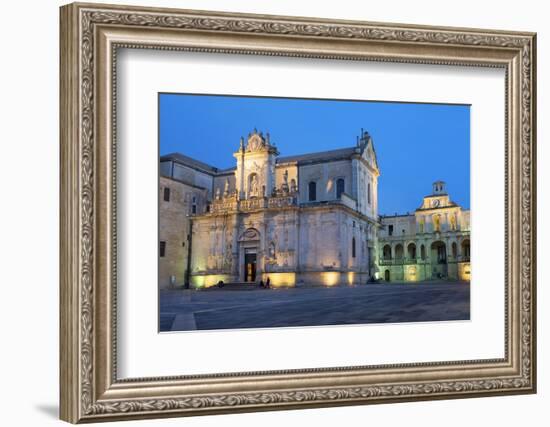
x=90, y=36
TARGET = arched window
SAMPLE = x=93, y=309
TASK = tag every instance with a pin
x=411, y=250
x=312, y=187
x=439, y=252
x=353, y=247
x=386, y=252
x=340, y=185
x=466, y=250
x=399, y=251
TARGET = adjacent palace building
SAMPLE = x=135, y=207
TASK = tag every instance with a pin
x=307, y=219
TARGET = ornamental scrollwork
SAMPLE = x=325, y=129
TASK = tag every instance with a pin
x=90, y=18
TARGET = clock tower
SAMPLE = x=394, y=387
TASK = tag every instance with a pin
x=438, y=199
x=437, y=210
x=439, y=188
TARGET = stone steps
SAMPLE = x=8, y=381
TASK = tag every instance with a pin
x=235, y=286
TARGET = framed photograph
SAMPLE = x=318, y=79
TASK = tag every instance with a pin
x=267, y=212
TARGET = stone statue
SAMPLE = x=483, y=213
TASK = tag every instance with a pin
x=228, y=254
x=284, y=187
x=436, y=223
x=226, y=188
x=453, y=222
x=254, y=185
x=293, y=186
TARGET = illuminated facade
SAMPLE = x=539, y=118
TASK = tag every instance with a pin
x=431, y=243
x=310, y=218
x=177, y=201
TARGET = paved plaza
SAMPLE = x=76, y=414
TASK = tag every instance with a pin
x=187, y=309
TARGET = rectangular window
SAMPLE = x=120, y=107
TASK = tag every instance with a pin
x=312, y=191
x=390, y=230
x=340, y=187
x=166, y=194
x=194, y=209
x=162, y=250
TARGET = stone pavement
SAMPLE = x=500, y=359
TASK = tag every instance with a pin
x=185, y=309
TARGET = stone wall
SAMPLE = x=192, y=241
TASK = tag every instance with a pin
x=174, y=231
x=325, y=176
x=292, y=245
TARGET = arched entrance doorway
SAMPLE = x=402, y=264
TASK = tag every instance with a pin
x=387, y=275
x=249, y=246
x=439, y=260
x=250, y=265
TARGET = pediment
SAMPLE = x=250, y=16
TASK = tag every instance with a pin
x=369, y=155
x=255, y=143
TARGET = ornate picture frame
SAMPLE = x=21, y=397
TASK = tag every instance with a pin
x=90, y=37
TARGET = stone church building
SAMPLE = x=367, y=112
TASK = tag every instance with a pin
x=309, y=218
x=305, y=219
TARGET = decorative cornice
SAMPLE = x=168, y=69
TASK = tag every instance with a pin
x=313, y=396
x=303, y=28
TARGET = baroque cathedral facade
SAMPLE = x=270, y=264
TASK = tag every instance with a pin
x=305, y=219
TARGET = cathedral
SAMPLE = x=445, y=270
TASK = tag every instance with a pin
x=308, y=219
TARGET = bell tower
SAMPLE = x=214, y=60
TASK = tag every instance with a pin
x=255, y=174
x=439, y=188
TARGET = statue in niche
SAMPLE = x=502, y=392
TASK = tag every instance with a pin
x=272, y=250
x=437, y=223
x=254, y=186
x=453, y=221
x=226, y=188
x=218, y=193
x=228, y=253
x=293, y=186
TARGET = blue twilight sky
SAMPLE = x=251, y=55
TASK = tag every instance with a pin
x=415, y=144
